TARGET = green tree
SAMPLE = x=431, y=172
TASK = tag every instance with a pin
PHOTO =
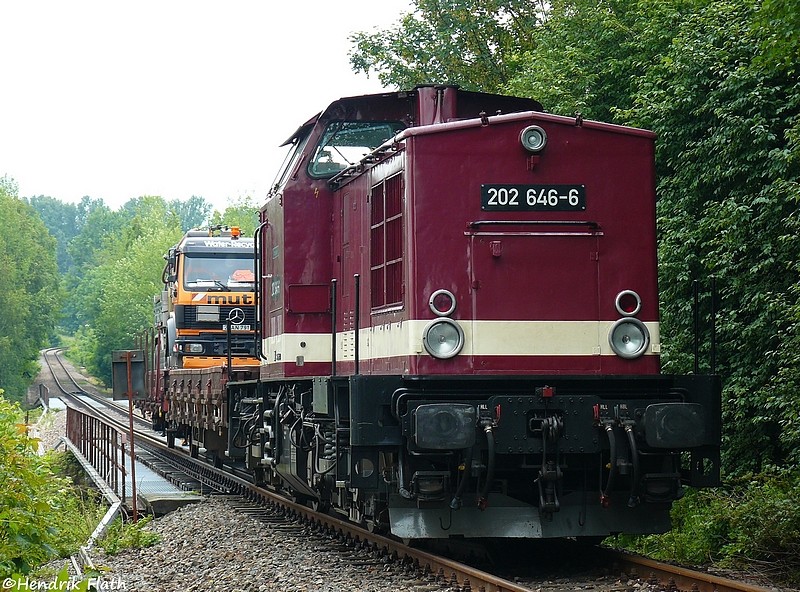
x=473, y=43
x=242, y=212
x=589, y=54
x=779, y=27
x=192, y=212
x=116, y=293
x=98, y=226
x=61, y=220
x=29, y=291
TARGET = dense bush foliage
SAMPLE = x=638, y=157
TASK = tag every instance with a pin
x=41, y=515
x=752, y=523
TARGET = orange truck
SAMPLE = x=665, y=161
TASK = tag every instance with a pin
x=205, y=331
x=208, y=285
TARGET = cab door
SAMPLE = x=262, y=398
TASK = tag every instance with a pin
x=351, y=225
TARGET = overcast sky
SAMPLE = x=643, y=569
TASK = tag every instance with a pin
x=175, y=98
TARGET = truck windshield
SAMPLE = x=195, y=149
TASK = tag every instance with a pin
x=231, y=271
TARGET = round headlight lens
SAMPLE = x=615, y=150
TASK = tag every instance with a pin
x=628, y=303
x=533, y=138
x=443, y=338
x=629, y=338
x=442, y=303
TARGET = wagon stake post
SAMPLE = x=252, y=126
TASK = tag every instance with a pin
x=128, y=381
x=128, y=356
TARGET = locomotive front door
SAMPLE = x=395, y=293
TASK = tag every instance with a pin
x=350, y=236
x=535, y=299
x=270, y=304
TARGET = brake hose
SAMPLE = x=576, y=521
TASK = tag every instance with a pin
x=612, y=445
x=455, y=503
x=634, y=497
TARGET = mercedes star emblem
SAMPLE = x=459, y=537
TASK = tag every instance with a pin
x=236, y=316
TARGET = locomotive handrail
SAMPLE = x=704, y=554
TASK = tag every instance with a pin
x=400, y=395
x=477, y=223
x=258, y=333
x=357, y=314
x=334, y=297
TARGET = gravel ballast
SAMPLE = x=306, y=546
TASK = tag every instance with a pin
x=211, y=546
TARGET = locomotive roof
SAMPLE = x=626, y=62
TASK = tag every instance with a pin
x=573, y=121
x=470, y=104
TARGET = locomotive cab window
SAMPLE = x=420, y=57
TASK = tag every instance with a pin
x=346, y=142
x=295, y=152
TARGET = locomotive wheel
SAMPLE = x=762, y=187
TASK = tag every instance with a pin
x=321, y=506
x=380, y=523
x=376, y=527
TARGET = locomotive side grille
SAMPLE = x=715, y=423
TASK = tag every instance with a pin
x=386, y=241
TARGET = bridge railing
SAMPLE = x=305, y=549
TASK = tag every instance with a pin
x=102, y=447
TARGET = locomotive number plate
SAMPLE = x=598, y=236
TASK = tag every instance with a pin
x=526, y=198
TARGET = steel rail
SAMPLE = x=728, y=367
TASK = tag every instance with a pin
x=685, y=578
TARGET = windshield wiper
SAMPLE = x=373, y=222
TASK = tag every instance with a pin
x=218, y=285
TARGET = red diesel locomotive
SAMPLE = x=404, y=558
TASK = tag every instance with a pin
x=459, y=332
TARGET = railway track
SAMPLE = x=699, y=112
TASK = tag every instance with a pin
x=609, y=570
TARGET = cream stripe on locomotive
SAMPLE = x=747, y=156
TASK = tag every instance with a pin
x=482, y=338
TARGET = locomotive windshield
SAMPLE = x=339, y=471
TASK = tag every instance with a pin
x=230, y=271
x=290, y=161
x=346, y=142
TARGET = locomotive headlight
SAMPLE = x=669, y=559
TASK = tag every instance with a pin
x=442, y=303
x=675, y=425
x=444, y=426
x=628, y=303
x=629, y=338
x=443, y=338
x=533, y=138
